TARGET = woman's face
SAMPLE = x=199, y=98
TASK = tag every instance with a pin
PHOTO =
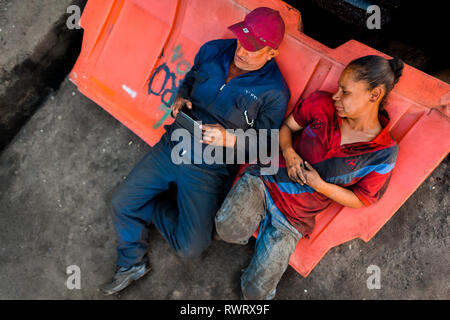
x=352, y=98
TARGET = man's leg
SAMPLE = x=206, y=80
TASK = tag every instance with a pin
x=189, y=229
x=134, y=200
x=242, y=210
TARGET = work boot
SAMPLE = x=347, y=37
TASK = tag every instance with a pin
x=124, y=277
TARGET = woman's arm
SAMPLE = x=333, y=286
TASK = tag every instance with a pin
x=288, y=127
x=294, y=163
x=337, y=193
x=341, y=195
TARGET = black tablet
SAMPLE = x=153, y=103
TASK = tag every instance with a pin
x=185, y=120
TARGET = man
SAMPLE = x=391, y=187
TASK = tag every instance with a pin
x=233, y=84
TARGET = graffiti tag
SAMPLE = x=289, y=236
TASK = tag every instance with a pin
x=170, y=84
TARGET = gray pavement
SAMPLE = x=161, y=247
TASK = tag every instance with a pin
x=36, y=50
x=56, y=181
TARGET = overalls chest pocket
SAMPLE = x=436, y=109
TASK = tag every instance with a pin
x=243, y=113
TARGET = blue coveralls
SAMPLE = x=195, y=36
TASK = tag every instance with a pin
x=188, y=224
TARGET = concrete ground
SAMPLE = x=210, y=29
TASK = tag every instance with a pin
x=37, y=50
x=59, y=172
x=57, y=177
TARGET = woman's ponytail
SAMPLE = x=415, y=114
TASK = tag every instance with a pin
x=397, y=68
x=376, y=70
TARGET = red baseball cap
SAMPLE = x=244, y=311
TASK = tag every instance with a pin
x=261, y=27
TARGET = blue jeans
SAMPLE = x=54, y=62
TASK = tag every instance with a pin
x=248, y=205
x=187, y=224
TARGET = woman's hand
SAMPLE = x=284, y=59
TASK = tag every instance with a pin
x=313, y=178
x=178, y=105
x=295, y=167
x=335, y=192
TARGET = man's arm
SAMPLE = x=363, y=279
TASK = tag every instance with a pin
x=269, y=117
x=183, y=93
x=182, y=98
x=186, y=84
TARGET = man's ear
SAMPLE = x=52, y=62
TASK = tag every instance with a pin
x=273, y=53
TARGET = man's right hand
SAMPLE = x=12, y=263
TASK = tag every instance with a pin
x=295, y=167
x=178, y=105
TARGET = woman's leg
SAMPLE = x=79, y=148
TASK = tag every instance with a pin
x=277, y=240
x=242, y=210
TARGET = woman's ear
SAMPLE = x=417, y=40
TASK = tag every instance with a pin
x=377, y=94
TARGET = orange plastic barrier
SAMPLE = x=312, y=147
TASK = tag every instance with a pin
x=135, y=52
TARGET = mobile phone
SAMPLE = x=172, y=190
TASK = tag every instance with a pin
x=184, y=119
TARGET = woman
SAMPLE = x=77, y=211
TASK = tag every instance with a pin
x=334, y=147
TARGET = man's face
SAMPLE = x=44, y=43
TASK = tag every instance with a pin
x=252, y=60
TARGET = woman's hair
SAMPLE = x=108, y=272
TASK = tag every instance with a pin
x=376, y=70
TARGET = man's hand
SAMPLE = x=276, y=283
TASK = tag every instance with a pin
x=295, y=167
x=216, y=135
x=178, y=105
